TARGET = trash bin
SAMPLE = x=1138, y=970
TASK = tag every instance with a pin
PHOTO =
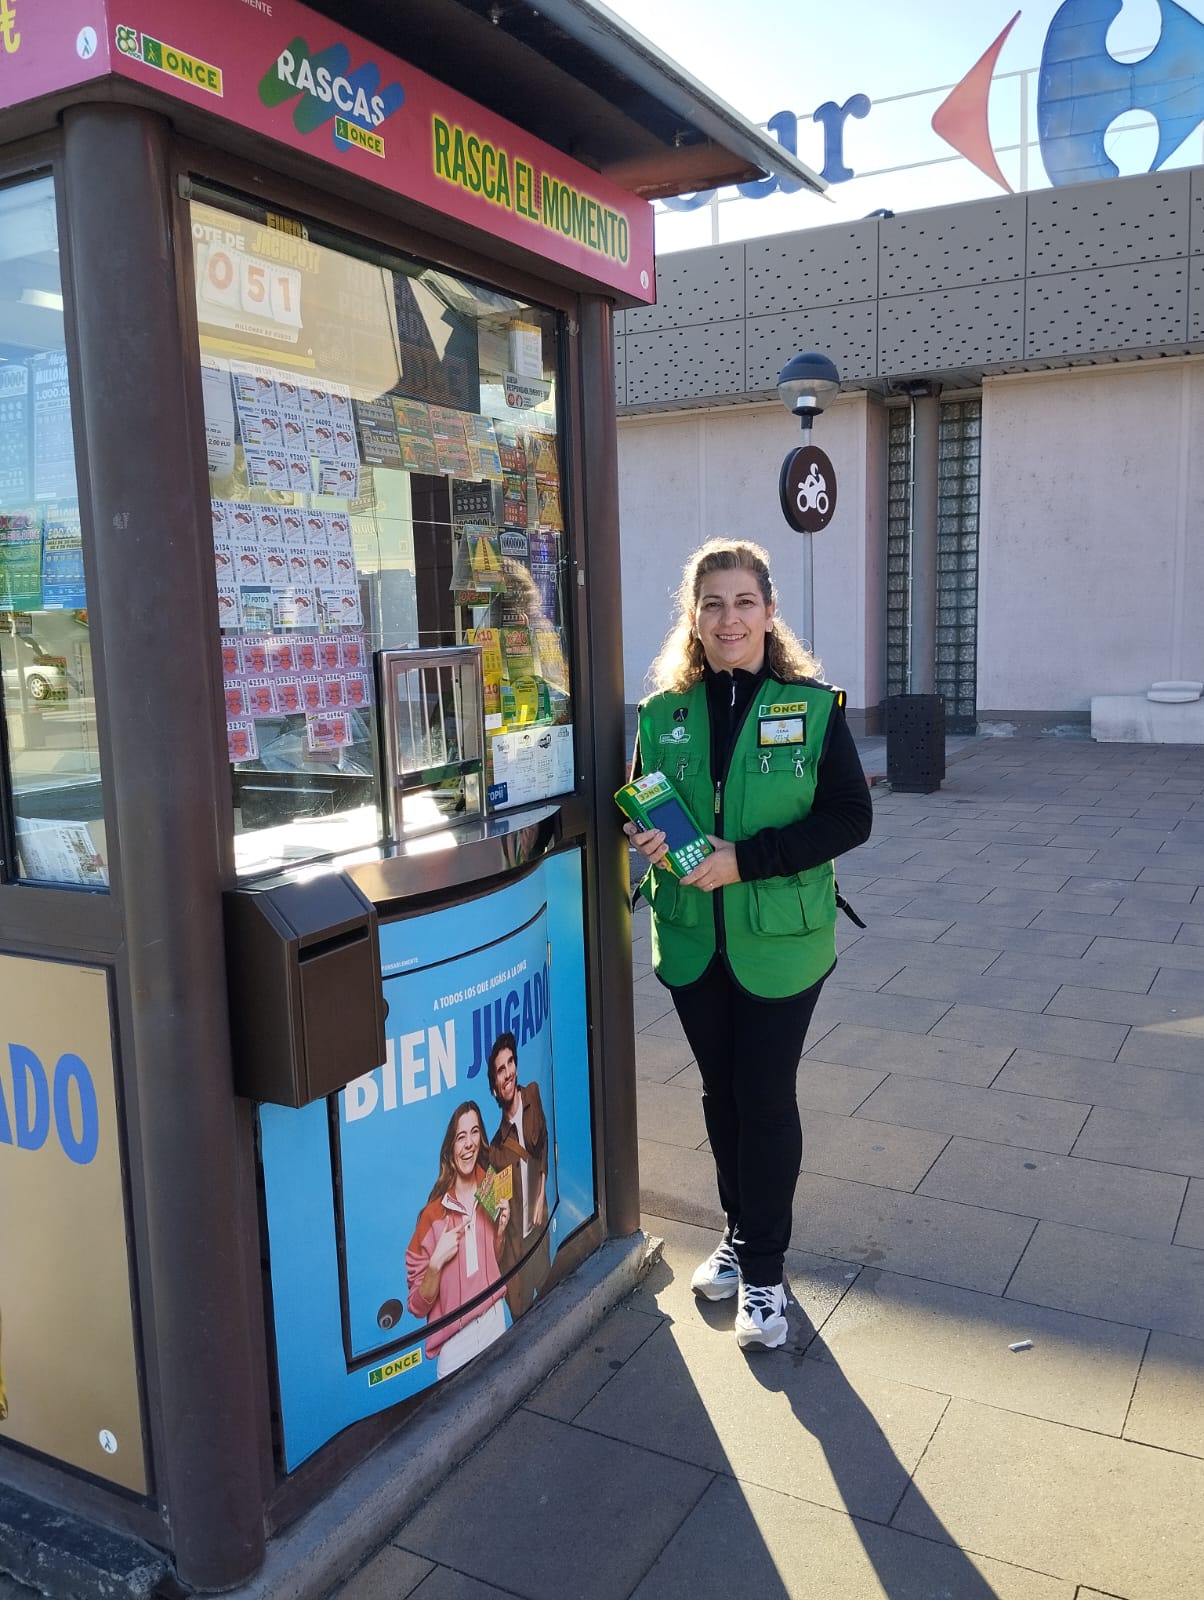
x=915, y=742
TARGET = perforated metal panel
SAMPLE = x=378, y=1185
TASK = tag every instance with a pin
x=822, y=267
x=1197, y=210
x=1117, y=308
x=1105, y=224
x=849, y=334
x=959, y=443
x=685, y=363
x=695, y=286
x=1195, y=298
x=951, y=328
x=620, y=371
x=958, y=245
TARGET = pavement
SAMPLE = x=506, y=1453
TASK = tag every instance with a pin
x=994, y=1384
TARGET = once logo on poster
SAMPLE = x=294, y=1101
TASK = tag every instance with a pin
x=331, y=91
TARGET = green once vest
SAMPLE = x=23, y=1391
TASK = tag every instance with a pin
x=779, y=933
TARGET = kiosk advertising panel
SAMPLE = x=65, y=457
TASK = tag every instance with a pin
x=68, y=1365
x=415, y=1215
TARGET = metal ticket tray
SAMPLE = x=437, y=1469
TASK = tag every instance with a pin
x=306, y=1006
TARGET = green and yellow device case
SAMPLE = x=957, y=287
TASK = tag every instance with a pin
x=653, y=802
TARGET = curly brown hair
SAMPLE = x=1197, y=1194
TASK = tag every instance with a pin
x=680, y=660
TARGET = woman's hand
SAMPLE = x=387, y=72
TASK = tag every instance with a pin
x=651, y=844
x=502, y=1221
x=716, y=869
x=449, y=1243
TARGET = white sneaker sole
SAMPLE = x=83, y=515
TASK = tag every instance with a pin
x=770, y=1338
x=716, y=1291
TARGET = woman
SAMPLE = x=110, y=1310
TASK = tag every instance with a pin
x=452, y=1257
x=749, y=735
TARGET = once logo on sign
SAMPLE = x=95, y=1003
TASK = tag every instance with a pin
x=807, y=489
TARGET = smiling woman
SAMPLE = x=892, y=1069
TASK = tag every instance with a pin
x=53, y=830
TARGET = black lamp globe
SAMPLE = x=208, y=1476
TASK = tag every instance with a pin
x=807, y=384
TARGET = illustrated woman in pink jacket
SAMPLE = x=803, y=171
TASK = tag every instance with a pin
x=451, y=1261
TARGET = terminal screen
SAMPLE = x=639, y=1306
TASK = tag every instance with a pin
x=671, y=818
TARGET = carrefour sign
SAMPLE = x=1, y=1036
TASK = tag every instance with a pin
x=1081, y=89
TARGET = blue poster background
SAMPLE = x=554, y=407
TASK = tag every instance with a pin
x=332, y=1268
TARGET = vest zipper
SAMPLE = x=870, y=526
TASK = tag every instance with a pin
x=732, y=741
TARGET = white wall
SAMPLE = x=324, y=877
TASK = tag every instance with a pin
x=690, y=476
x=1091, y=545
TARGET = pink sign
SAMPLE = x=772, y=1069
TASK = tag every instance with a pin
x=50, y=44
x=282, y=71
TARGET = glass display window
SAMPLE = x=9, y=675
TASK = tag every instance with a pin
x=386, y=473
x=54, y=801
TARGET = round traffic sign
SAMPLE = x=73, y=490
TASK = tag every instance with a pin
x=807, y=489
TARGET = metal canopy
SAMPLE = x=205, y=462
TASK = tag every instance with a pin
x=576, y=76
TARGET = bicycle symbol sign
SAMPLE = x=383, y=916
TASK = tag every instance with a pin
x=807, y=489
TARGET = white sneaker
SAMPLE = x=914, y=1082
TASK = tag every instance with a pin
x=718, y=1278
x=761, y=1319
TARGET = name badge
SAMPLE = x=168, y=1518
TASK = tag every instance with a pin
x=772, y=731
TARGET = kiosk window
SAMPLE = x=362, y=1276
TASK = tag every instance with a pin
x=53, y=777
x=386, y=473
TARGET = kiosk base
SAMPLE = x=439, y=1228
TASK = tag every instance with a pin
x=68, y=1558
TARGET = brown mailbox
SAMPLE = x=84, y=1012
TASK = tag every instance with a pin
x=306, y=1005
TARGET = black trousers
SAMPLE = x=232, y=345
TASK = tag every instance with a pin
x=748, y=1053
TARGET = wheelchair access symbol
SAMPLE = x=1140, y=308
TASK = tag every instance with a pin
x=807, y=489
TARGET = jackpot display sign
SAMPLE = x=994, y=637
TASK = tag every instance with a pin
x=416, y=1214
x=68, y=1366
x=292, y=76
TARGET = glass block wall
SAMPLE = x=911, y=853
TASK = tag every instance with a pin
x=957, y=558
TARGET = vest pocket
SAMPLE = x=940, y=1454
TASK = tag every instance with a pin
x=673, y=903
x=799, y=904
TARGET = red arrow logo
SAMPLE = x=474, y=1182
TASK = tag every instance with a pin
x=961, y=118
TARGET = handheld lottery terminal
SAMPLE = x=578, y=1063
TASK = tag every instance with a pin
x=652, y=802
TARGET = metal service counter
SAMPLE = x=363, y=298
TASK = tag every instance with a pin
x=316, y=1069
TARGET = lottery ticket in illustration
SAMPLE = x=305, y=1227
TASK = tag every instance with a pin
x=294, y=608
x=319, y=434
x=341, y=608
x=275, y=559
x=514, y=499
x=342, y=567
x=240, y=521
x=268, y=524
x=451, y=442
x=251, y=430
x=353, y=654
x=237, y=702
x=357, y=689
x=241, y=741
x=292, y=526
x=223, y=561
x=510, y=447
x=483, y=449
x=550, y=514
x=264, y=469
x=293, y=432
x=255, y=657
x=247, y=563
x=340, y=403
x=221, y=527
x=330, y=654
x=298, y=565
x=257, y=610
x=281, y=655
x=305, y=653
x=345, y=446
x=338, y=528
x=313, y=691
x=231, y=658
x=336, y=695
x=328, y=732
x=288, y=394
x=261, y=697
x=341, y=478
x=229, y=612
x=321, y=566
x=315, y=400
x=541, y=457
x=288, y=696
x=253, y=385
x=298, y=472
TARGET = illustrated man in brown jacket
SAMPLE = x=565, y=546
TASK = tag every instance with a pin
x=521, y=1143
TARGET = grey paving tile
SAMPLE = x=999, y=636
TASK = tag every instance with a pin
x=1179, y=984
x=1104, y=1005
x=679, y=1183
x=1080, y=1370
x=1104, y=1275
x=1121, y=889
x=816, y=1282
x=651, y=1007
x=985, y=876
x=444, y=1584
x=936, y=1239
x=1025, y=941
x=1104, y=1083
x=1062, y=1036
x=828, y=1086
x=390, y=1575
x=576, y=1381
x=651, y=986
x=1191, y=1223
x=741, y=1540
x=992, y=911
x=1156, y=1047
x=1051, y=858
x=930, y=982
x=815, y=1419
x=868, y=1152
x=941, y=895
x=1116, y=1515
x=1190, y=934
x=959, y=1108
x=658, y=1059
x=1168, y=1403
x=1120, y=975
x=883, y=1050
x=923, y=928
x=1121, y=924
x=596, y=1483
x=671, y=1113
x=866, y=967
x=1182, y=952
x=666, y=1027
x=1167, y=875
x=877, y=1010
x=1036, y=1183
x=913, y=871
x=1136, y=1139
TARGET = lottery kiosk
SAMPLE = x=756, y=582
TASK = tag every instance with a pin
x=316, y=1073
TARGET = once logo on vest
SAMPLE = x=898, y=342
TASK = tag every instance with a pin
x=678, y=736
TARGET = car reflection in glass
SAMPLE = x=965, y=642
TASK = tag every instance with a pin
x=46, y=677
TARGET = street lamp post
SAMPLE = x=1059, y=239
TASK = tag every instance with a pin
x=807, y=486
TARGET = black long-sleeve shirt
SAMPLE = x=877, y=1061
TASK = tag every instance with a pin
x=841, y=814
